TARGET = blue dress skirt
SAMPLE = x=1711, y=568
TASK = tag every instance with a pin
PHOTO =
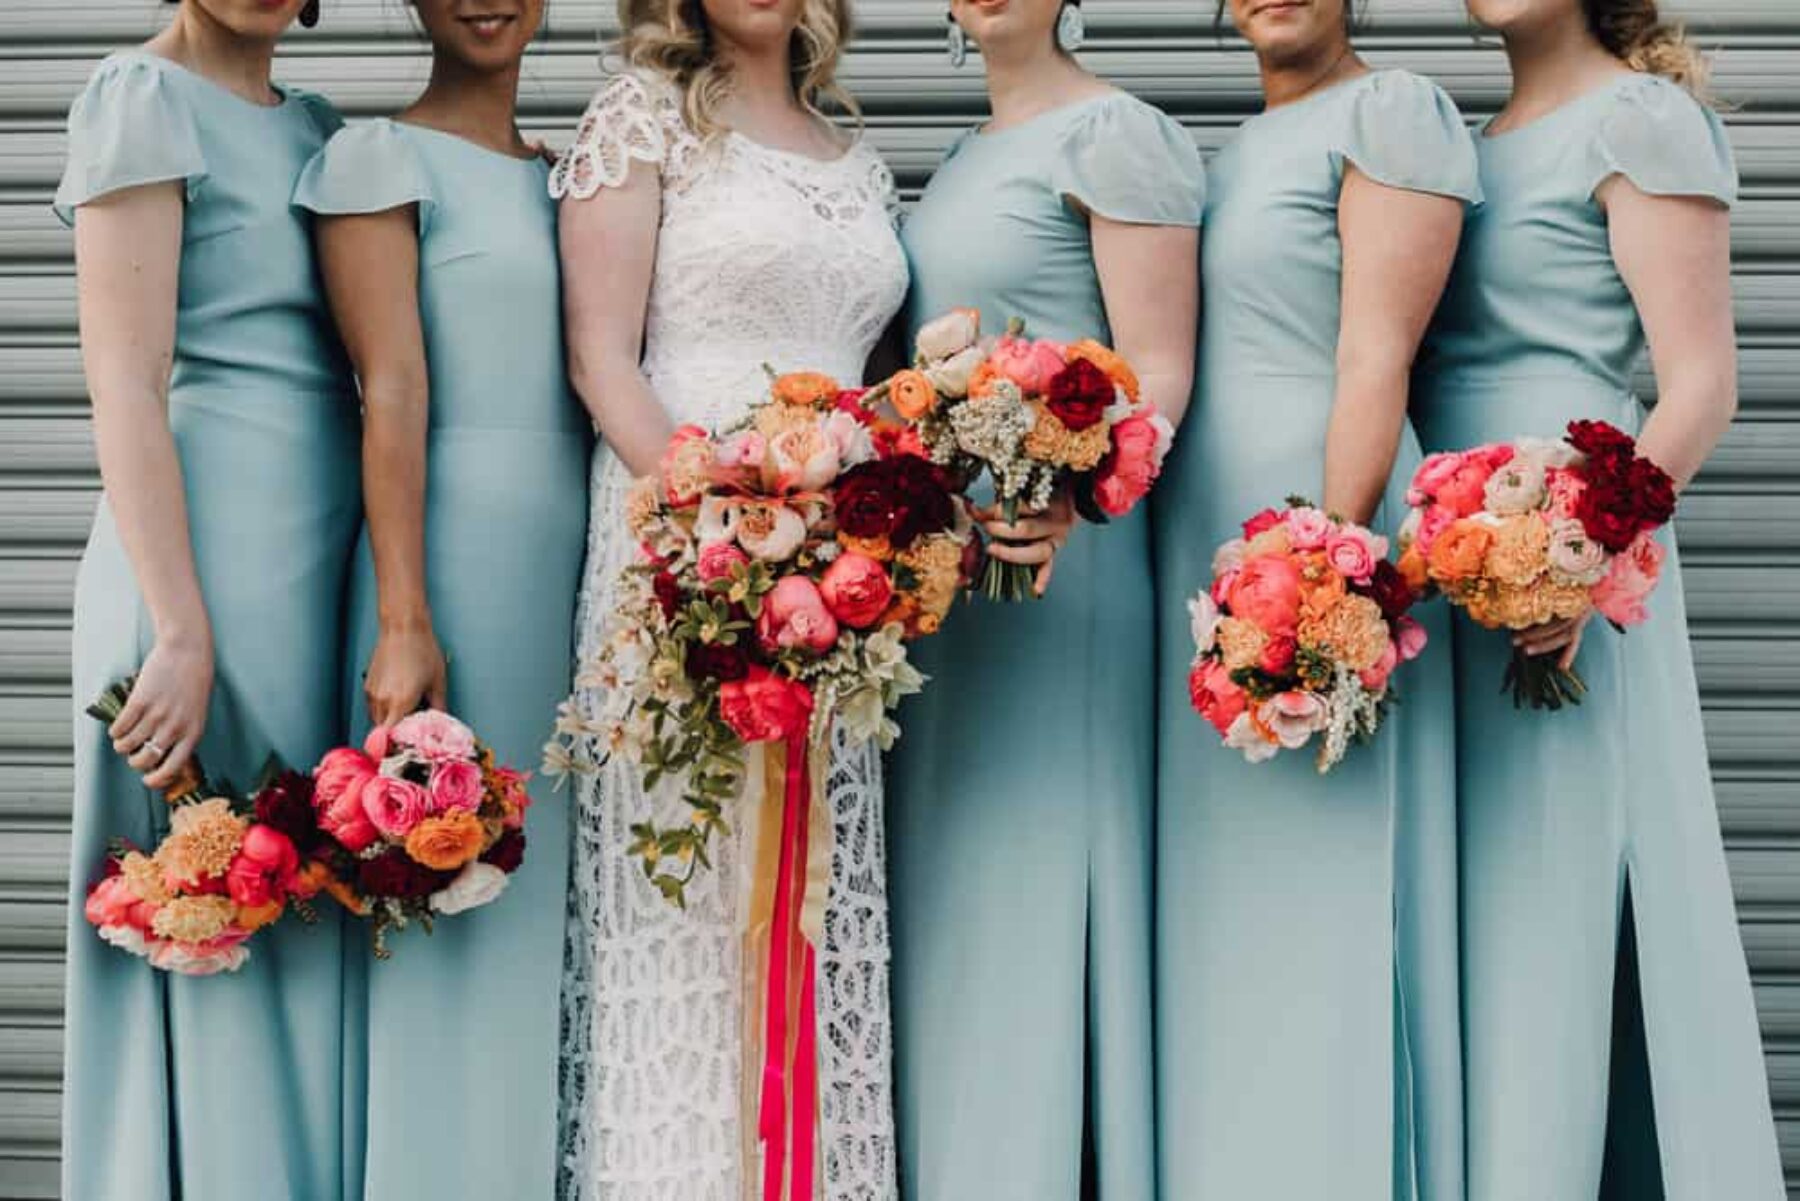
x=225, y=1087
x=1563, y=813
x=1306, y=998
x=454, y=1041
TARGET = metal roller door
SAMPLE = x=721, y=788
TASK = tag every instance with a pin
x=1740, y=529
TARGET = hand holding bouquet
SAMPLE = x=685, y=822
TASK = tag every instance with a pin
x=420, y=823
x=1037, y=417
x=1528, y=532
x=1299, y=634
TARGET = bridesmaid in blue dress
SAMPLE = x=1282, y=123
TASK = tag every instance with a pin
x=1594, y=829
x=226, y=430
x=437, y=237
x=1307, y=1025
x=1020, y=796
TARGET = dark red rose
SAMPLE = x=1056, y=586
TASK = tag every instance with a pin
x=394, y=874
x=1609, y=513
x=1080, y=394
x=508, y=851
x=1389, y=589
x=716, y=661
x=1653, y=491
x=668, y=594
x=901, y=499
x=864, y=500
x=286, y=804
x=1597, y=439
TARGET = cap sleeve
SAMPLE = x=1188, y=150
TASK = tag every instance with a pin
x=1405, y=132
x=324, y=114
x=1664, y=141
x=369, y=167
x=636, y=117
x=130, y=126
x=1127, y=161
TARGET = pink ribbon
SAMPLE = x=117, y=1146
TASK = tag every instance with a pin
x=786, y=1120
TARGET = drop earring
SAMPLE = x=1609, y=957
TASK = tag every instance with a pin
x=958, y=46
x=1071, y=29
x=309, y=14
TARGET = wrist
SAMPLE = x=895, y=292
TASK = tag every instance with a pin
x=190, y=633
x=408, y=621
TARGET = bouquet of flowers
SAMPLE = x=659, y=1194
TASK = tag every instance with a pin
x=420, y=823
x=785, y=563
x=1526, y=532
x=224, y=871
x=1299, y=635
x=1037, y=417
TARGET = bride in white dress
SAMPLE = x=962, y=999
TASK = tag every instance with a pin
x=712, y=222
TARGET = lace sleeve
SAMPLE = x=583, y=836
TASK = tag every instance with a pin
x=634, y=118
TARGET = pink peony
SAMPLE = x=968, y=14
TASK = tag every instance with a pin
x=1130, y=470
x=1620, y=596
x=1465, y=492
x=337, y=796
x=1308, y=529
x=1214, y=696
x=717, y=559
x=1409, y=639
x=455, y=785
x=766, y=707
x=379, y=742
x=394, y=806
x=264, y=868
x=794, y=615
x=1267, y=592
x=192, y=959
x=111, y=903
x=1433, y=474
x=1353, y=552
x=804, y=459
x=436, y=736
x=1375, y=678
x=857, y=590
x=1031, y=365
x=1293, y=717
x=743, y=451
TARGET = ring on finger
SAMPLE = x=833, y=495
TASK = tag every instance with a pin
x=150, y=744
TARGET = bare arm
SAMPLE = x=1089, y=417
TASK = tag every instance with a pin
x=127, y=268
x=371, y=268
x=609, y=258
x=1398, y=248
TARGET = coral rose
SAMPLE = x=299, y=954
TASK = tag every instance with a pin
x=1214, y=696
x=1267, y=592
x=856, y=589
x=1277, y=657
x=1375, y=678
x=1130, y=471
x=1460, y=552
x=912, y=394
x=808, y=389
x=717, y=560
x=766, y=707
x=455, y=785
x=1030, y=365
x=794, y=614
x=447, y=841
x=394, y=806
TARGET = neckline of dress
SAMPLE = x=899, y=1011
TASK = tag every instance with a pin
x=799, y=156
x=1485, y=134
x=982, y=132
x=1318, y=94
x=489, y=151
x=286, y=96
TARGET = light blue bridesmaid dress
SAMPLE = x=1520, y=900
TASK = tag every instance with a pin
x=227, y=1087
x=1562, y=813
x=1020, y=795
x=459, y=1030
x=1305, y=924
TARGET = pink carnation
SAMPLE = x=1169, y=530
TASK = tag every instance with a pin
x=1629, y=581
x=1308, y=529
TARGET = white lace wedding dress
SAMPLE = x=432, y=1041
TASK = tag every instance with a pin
x=763, y=257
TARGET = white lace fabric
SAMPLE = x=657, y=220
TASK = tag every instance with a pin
x=763, y=257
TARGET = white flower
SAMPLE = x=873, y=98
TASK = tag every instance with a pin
x=475, y=885
x=854, y=445
x=1244, y=736
x=1409, y=529
x=1204, y=618
x=1575, y=557
x=951, y=376
x=951, y=334
x=126, y=938
x=1546, y=452
x=717, y=521
x=1517, y=487
x=864, y=717
x=1229, y=557
x=1293, y=717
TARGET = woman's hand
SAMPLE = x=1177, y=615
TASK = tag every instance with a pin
x=1554, y=636
x=165, y=715
x=408, y=668
x=1033, y=539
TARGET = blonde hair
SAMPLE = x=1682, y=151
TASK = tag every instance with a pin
x=671, y=38
x=1635, y=32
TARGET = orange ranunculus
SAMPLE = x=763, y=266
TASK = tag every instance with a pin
x=255, y=917
x=1413, y=568
x=447, y=841
x=811, y=389
x=912, y=394
x=982, y=382
x=1117, y=369
x=1460, y=551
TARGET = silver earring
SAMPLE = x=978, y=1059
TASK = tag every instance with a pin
x=1071, y=29
x=958, y=47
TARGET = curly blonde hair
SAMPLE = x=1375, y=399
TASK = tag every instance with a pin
x=1635, y=32
x=671, y=38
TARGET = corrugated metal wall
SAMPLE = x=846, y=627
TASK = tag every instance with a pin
x=1740, y=528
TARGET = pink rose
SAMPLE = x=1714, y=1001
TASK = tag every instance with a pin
x=1293, y=717
x=1465, y=492
x=1409, y=639
x=1130, y=470
x=455, y=785
x=1267, y=592
x=394, y=806
x=436, y=736
x=1352, y=552
x=857, y=590
x=1629, y=581
x=1214, y=696
x=1308, y=529
x=794, y=614
x=264, y=868
x=1375, y=678
x=1031, y=365
x=766, y=707
x=379, y=742
x=1432, y=474
x=1565, y=489
x=340, y=771
x=716, y=561
x=1258, y=523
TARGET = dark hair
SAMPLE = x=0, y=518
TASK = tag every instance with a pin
x=1634, y=31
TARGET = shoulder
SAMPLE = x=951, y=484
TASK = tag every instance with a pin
x=635, y=116
x=1655, y=133
x=367, y=167
x=1404, y=131
x=133, y=124
x=320, y=111
x=1129, y=161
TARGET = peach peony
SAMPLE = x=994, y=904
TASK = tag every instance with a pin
x=1621, y=594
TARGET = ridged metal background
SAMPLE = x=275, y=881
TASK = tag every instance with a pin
x=1740, y=527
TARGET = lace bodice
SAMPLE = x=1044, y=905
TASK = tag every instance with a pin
x=763, y=257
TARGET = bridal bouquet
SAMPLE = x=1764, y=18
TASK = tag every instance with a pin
x=1526, y=532
x=419, y=823
x=785, y=563
x=225, y=870
x=1036, y=416
x=1299, y=635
